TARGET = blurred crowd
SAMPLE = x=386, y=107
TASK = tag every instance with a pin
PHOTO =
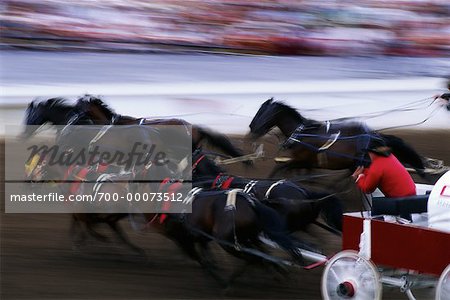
x=291, y=27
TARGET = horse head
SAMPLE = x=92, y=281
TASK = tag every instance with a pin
x=263, y=120
x=273, y=114
x=96, y=109
x=38, y=114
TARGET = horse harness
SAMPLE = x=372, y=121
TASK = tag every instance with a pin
x=299, y=133
x=223, y=182
x=171, y=186
x=331, y=138
x=79, y=174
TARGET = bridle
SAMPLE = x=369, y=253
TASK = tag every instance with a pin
x=198, y=160
x=272, y=116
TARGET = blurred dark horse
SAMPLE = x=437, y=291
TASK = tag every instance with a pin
x=235, y=225
x=84, y=224
x=327, y=145
x=54, y=111
x=100, y=113
x=90, y=110
x=85, y=135
x=297, y=206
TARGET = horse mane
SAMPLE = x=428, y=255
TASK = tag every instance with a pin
x=55, y=107
x=92, y=100
x=289, y=109
x=57, y=102
x=52, y=103
x=293, y=112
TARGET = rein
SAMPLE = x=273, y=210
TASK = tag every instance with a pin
x=404, y=108
x=414, y=124
x=416, y=105
x=194, y=165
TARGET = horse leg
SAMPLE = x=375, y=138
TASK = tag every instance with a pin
x=287, y=244
x=250, y=261
x=224, y=232
x=95, y=234
x=115, y=226
x=188, y=247
x=274, y=228
x=225, y=236
x=179, y=233
x=279, y=272
x=209, y=265
x=85, y=222
x=238, y=272
x=77, y=234
x=85, y=226
x=206, y=255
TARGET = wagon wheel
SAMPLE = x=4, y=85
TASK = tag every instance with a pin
x=349, y=276
x=443, y=287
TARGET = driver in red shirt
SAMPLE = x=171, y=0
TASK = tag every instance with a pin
x=385, y=172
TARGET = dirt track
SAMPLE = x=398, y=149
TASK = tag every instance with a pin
x=37, y=260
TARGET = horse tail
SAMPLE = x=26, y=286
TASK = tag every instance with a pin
x=272, y=224
x=275, y=228
x=330, y=208
x=267, y=216
x=219, y=140
x=405, y=153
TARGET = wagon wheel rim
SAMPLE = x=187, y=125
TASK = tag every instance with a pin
x=349, y=276
x=443, y=287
